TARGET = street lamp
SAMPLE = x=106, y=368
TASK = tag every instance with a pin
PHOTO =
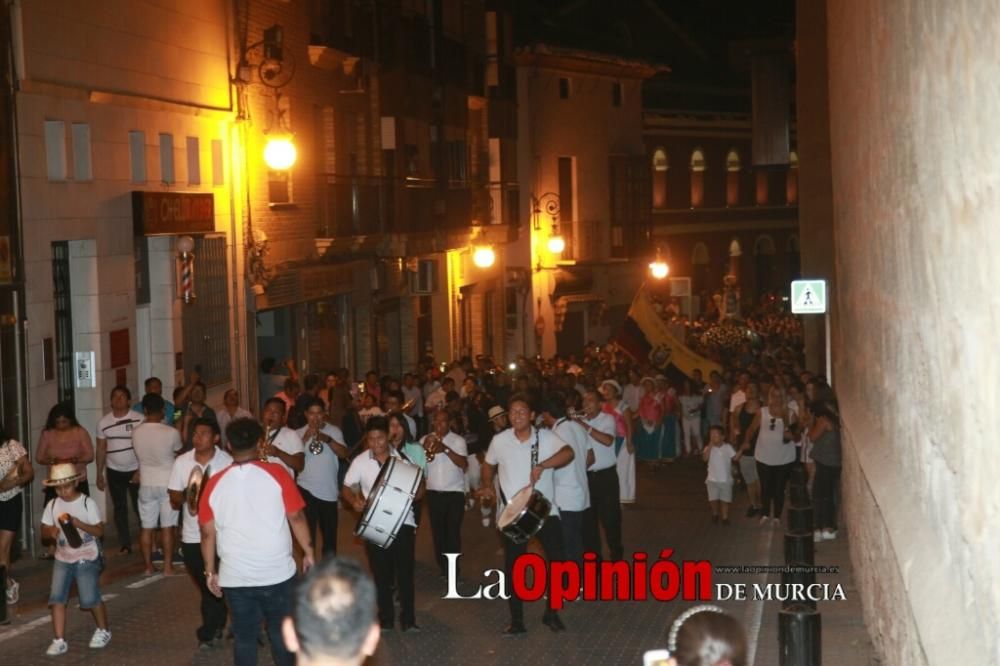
x=483, y=256
x=549, y=203
x=658, y=267
x=280, y=153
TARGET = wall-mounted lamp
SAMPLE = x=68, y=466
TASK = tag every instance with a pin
x=280, y=152
x=549, y=204
x=185, y=249
x=658, y=267
x=483, y=256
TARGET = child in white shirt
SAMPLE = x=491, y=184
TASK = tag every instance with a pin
x=720, y=457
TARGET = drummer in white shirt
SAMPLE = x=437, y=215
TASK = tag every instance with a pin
x=395, y=564
x=318, y=481
x=445, y=487
x=282, y=444
x=511, y=457
x=572, y=491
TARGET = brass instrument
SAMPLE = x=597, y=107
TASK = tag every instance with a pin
x=408, y=405
x=195, y=487
x=316, y=445
x=264, y=447
x=429, y=442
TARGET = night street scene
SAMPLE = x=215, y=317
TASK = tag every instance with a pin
x=518, y=332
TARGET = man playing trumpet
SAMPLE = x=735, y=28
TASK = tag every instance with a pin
x=446, y=464
x=280, y=444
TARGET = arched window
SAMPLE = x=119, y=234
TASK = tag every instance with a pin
x=660, y=166
x=733, y=178
x=763, y=250
x=792, y=179
x=699, y=268
x=697, y=178
x=792, y=258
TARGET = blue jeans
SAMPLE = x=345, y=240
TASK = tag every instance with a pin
x=86, y=573
x=247, y=606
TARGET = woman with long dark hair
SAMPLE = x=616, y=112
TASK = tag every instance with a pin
x=16, y=472
x=64, y=440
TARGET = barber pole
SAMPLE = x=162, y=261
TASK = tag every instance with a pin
x=187, y=277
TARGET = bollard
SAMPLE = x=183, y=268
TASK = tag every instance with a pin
x=799, y=548
x=3, y=589
x=798, y=476
x=800, y=518
x=799, y=496
x=803, y=578
x=799, y=631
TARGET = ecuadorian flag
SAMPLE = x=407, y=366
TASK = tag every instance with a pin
x=645, y=336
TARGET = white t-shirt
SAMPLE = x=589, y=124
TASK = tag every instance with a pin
x=689, y=404
x=289, y=442
x=513, y=457
x=250, y=503
x=319, y=476
x=604, y=456
x=223, y=418
x=572, y=490
x=117, y=430
x=179, y=475
x=720, y=463
x=442, y=474
x=155, y=445
x=736, y=400
x=85, y=509
x=771, y=448
x=362, y=473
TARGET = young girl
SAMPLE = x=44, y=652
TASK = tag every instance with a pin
x=719, y=455
x=80, y=563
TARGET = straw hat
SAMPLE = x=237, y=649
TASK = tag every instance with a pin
x=616, y=385
x=495, y=411
x=61, y=474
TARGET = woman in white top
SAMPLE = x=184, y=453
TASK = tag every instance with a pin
x=774, y=453
x=15, y=473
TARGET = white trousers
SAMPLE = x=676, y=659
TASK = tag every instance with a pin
x=692, y=434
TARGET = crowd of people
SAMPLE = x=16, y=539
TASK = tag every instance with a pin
x=572, y=428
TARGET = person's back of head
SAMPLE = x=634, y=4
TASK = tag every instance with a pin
x=706, y=636
x=333, y=618
x=244, y=434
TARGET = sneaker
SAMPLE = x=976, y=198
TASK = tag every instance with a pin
x=763, y=520
x=58, y=647
x=829, y=535
x=157, y=556
x=817, y=536
x=100, y=638
x=751, y=511
x=486, y=522
x=13, y=591
x=776, y=521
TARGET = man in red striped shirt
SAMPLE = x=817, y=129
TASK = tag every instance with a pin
x=245, y=512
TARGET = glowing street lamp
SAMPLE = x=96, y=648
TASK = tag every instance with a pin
x=556, y=244
x=659, y=269
x=483, y=256
x=280, y=153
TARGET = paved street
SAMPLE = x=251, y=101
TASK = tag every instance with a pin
x=153, y=619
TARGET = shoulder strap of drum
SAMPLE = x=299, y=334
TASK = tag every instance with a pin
x=534, y=451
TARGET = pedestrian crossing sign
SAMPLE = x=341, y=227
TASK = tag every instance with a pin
x=808, y=296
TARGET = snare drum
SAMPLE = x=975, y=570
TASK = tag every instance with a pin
x=389, y=502
x=524, y=515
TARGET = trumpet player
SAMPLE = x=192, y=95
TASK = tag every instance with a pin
x=318, y=481
x=446, y=464
x=206, y=453
x=281, y=445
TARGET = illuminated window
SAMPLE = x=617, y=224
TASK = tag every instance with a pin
x=792, y=179
x=733, y=178
x=697, y=178
x=660, y=166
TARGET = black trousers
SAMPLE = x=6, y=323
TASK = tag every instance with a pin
x=322, y=513
x=551, y=537
x=572, y=534
x=121, y=488
x=213, y=609
x=773, y=479
x=824, y=486
x=446, y=512
x=394, y=565
x=605, y=512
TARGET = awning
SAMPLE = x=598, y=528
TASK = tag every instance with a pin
x=577, y=283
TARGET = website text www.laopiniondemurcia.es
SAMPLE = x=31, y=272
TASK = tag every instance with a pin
x=533, y=578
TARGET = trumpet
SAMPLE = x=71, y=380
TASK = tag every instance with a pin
x=429, y=442
x=408, y=405
x=264, y=448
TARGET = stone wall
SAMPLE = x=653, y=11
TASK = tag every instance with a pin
x=914, y=116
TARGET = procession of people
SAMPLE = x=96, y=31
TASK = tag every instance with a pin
x=253, y=503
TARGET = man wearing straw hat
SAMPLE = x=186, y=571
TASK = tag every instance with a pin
x=74, y=522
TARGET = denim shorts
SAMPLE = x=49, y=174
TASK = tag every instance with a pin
x=87, y=574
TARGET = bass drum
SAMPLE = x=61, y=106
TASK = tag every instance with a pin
x=524, y=516
x=389, y=502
